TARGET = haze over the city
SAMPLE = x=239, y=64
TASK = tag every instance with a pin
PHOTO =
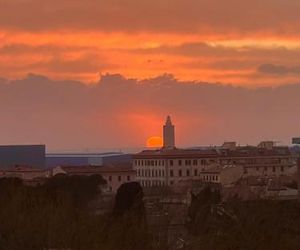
x=104, y=74
x=119, y=113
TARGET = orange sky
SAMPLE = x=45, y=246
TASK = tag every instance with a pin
x=238, y=42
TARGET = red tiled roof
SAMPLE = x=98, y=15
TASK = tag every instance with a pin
x=19, y=169
x=250, y=151
x=245, y=151
x=96, y=169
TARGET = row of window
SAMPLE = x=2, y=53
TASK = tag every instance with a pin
x=158, y=183
x=148, y=183
x=172, y=173
x=189, y=172
x=273, y=169
x=151, y=172
x=256, y=161
x=110, y=178
x=194, y=162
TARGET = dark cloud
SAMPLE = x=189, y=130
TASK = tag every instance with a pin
x=21, y=49
x=206, y=16
x=120, y=112
x=278, y=69
x=202, y=49
x=70, y=61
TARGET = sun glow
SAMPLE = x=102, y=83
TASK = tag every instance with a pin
x=154, y=142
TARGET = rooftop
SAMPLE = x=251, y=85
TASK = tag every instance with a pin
x=97, y=169
x=177, y=153
x=240, y=151
x=108, y=154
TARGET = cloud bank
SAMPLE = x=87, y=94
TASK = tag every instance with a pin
x=248, y=16
x=203, y=40
x=118, y=112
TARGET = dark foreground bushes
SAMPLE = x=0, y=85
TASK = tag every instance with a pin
x=56, y=215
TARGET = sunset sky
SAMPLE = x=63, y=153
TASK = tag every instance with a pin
x=247, y=49
x=248, y=42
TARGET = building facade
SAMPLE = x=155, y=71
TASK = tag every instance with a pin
x=169, y=167
x=115, y=176
x=25, y=173
x=266, y=159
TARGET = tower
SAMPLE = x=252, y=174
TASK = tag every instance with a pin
x=169, y=134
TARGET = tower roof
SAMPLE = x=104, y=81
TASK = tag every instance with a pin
x=168, y=121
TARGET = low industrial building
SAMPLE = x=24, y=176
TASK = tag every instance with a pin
x=22, y=155
x=86, y=159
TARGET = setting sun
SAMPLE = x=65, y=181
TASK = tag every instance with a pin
x=154, y=142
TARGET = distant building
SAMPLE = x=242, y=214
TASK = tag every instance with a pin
x=296, y=140
x=169, y=166
x=25, y=173
x=22, y=155
x=115, y=175
x=169, y=134
x=85, y=159
x=264, y=160
x=224, y=175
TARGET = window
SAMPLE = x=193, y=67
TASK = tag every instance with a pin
x=171, y=183
x=203, y=162
x=187, y=162
x=195, y=162
x=180, y=172
x=282, y=169
x=128, y=178
x=266, y=168
x=110, y=178
x=119, y=178
x=171, y=162
x=195, y=172
x=187, y=172
x=171, y=173
x=179, y=162
x=274, y=169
